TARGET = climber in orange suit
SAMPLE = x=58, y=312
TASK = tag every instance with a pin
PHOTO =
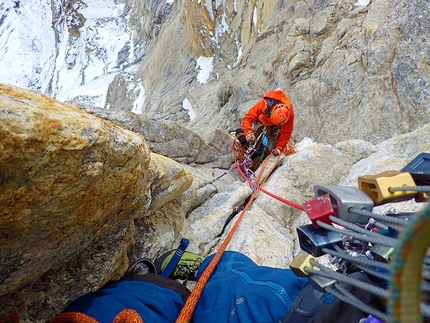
x=273, y=110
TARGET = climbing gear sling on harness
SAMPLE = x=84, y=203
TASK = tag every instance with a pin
x=179, y=263
x=249, y=155
x=175, y=258
x=255, y=185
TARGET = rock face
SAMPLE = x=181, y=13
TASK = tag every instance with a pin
x=70, y=180
x=82, y=197
x=65, y=175
x=352, y=71
x=85, y=191
x=173, y=140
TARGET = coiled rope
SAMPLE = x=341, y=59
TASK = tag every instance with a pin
x=406, y=275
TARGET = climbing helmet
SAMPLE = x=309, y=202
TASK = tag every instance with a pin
x=280, y=114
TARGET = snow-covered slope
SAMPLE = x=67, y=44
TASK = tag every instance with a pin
x=64, y=49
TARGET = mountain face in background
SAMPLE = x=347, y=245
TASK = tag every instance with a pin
x=353, y=69
x=181, y=74
x=65, y=49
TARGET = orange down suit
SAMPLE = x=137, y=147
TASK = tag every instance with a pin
x=257, y=113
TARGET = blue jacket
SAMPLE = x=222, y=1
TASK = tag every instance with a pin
x=240, y=291
x=153, y=303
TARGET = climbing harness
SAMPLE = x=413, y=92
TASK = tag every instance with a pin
x=238, y=160
x=249, y=156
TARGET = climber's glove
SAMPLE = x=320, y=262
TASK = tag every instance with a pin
x=250, y=137
x=276, y=152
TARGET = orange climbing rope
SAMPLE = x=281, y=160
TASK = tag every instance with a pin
x=187, y=311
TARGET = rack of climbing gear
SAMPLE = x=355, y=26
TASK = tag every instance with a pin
x=391, y=249
x=250, y=155
x=257, y=185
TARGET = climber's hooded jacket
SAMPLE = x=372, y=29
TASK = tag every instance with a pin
x=261, y=111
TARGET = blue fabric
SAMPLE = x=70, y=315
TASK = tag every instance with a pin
x=240, y=291
x=155, y=304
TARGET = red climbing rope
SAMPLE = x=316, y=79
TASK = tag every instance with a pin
x=258, y=187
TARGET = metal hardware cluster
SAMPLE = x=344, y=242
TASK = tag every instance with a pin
x=355, y=239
